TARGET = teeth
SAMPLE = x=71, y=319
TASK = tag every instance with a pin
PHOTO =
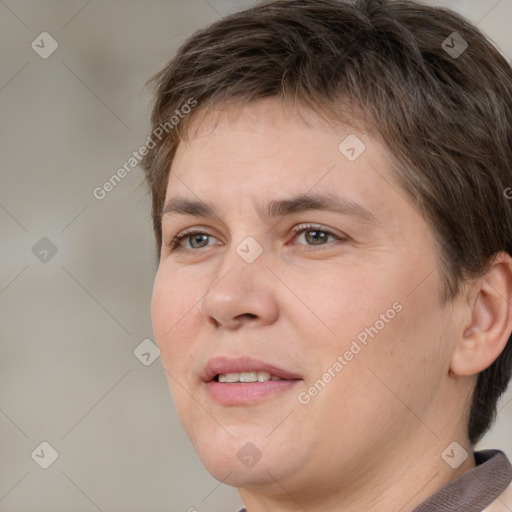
x=247, y=377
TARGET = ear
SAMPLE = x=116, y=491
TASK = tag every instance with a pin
x=487, y=329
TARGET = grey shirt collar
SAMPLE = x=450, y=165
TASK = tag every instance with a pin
x=475, y=490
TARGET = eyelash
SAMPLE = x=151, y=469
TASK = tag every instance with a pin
x=173, y=245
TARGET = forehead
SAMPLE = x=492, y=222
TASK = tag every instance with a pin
x=273, y=113
x=265, y=153
x=268, y=138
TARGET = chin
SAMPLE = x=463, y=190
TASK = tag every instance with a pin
x=241, y=460
x=237, y=475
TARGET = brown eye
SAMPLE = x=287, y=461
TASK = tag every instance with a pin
x=315, y=235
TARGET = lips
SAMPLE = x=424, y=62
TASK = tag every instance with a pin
x=244, y=394
x=225, y=365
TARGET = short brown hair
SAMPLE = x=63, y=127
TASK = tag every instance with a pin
x=446, y=118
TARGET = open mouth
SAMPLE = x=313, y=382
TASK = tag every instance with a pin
x=245, y=381
x=246, y=377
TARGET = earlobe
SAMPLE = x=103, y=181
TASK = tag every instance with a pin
x=486, y=333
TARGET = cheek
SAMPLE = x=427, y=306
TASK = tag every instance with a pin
x=174, y=315
x=349, y=299
x=162, y=306
x=377, y=323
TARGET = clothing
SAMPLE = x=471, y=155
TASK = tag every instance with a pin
x=485, y=488
x=476, y=489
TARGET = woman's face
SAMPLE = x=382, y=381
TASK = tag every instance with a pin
x=342, y=302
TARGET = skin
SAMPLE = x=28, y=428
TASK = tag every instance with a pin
x=372, y=438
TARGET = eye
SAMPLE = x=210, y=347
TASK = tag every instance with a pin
x=195, y=237
x=315, y=235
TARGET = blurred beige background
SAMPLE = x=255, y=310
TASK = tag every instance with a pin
x=76, y=272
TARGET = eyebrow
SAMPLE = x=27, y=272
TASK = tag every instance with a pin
x=276, y=208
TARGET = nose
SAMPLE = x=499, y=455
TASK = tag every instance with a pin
x=241, y=294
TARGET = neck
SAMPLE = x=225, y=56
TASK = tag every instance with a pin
x=390, y=482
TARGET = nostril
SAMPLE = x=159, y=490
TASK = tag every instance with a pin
x=246, y=315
